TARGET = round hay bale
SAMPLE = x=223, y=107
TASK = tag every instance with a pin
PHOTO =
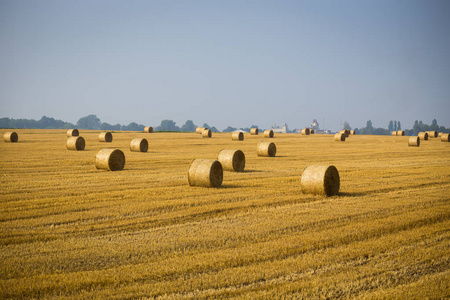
x=232, y=160
x=320, y=180
x=105, y=137
x=73, y=132
x=148, y=129
x=414, y=141
x=432, y=134
x=206, y=173
x=352, y=132
x=10, y=137
x=75, y=143
x=400, y=132
x=445, y=137
x=312, y=131
x=423, y=136
x=139, y=145
x=110, y=159
x=440, y=134
x=394, y=133
x=237, y=136
x=206, y=133
x=266, y=149
x=254, y=131
x=339, y=137
x=199, y=130
x=268, y=133
x=346, y=132
x=306, y=131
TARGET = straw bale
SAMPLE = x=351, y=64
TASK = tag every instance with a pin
x=206, y=133
x=440, y=134
x=199, y=130
x=237, y=136
x=148, y=129
x=320, y=180
x=254, y=131
x=268, y=133
x=10, y=137
x=139, y=145
x=312, y=131
x=73, y=132
x=205, y=173
x=339, y=137
x=105, y=137
x=432, y=134
x=445, y=137
x=232, y=160
x=75, y=143
x=400, y=132
x=352, y=132
x=306, y=131
x=423, y=136
x=414, y=141
x=266, y=149
x=110, y=159
x=394, y=133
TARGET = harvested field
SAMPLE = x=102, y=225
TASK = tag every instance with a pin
x=71, y=231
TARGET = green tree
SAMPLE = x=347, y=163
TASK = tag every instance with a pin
x=167, y=125
x=89, y=122
x=229, y=129
x=391, y=125
x=347, y=126
x=189, y=126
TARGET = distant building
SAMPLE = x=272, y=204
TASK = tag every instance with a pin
x=283, y=129
x=314, y=125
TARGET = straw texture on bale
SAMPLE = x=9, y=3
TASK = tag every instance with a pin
x=237, y=136
x=232, y=160
x=306, y=131
x=254, y=131
x=352, y=132
x=339, y=137
x=206, y=173
x=312, y=131
x=268, y=133
x=105, y=137
x=400, y=132
x=148, y=129
x=346, y=132
x=200, y=129
x=139, y=145
x=110, y=159
x=414, y=141
x=266, y=149
x=75, y=143
x=432, y=134
x=73, y=132
x=10, y=137
x=445, y=137
x=423, y=136
x=320, y=180
x=206, y=133
x=440, y=134
x=394, y=132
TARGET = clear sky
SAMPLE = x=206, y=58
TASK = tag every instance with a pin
x=227, y=62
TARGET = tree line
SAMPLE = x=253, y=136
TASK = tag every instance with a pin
x=419, y=126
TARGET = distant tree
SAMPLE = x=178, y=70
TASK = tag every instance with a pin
x=434, y=126
x=391, y=126
x=4, y=123
x=346, y=126
x=213, y=129
x=229, y=129
x=89, y=122
x=399, y=126
x=133, y=127
x=395, y=126
x=189, y=126
x=167, y=125
x=106, y=126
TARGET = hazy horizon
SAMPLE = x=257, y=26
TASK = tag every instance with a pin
x=227, y=63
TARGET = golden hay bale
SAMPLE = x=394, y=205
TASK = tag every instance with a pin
x=206, y=133
x=266, y=149
x=400, y=132
x=139, y=145
x=110, y=159
x=394, y=133
x=306, y=131
x=352, y=132
x=312, y=131
x=105, y=137
x=232, y=160
x=237, y=136
x=432, y=134
x=73, y=132
x=268, y=133
x=75, y=143
x=11, y=137
x=254, y=131
x=200, y=129
x=320, y=180
x=148, y=129
x=445, y=137
x=423, y=136
x=346, y=132
x=414, y=141
x=440, y=134
x=206, y=173
x=339, y=137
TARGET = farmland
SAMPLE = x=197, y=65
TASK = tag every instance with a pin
x=71, y=231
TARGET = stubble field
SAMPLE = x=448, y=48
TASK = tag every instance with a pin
x=71, y=231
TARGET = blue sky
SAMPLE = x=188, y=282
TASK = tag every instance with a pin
x=226, y=63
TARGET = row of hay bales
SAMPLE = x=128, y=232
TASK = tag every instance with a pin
x=235, y=136
x=414, y=141
x=77, y=142
x=342, y=135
